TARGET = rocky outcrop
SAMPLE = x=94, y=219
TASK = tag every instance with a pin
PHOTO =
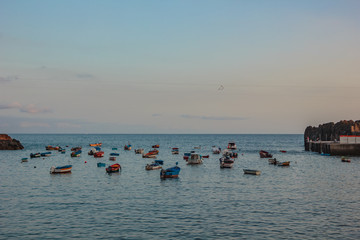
x=331, y=131
x=7, y=143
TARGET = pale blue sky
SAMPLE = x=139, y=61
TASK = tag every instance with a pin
x=156, y=66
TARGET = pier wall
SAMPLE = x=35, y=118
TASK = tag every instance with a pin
x=333, y=148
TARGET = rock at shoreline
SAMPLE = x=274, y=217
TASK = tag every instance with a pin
x=7, y=143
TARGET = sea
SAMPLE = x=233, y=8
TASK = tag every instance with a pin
x=316, y=197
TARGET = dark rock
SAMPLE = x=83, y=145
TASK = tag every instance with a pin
x=7, y=143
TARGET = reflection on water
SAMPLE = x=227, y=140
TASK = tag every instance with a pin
x=316, y=197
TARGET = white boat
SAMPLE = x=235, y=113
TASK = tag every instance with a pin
x=139, y=151
x=216, y=150
x=195, y=159
x=232, y=146
x=226, y=162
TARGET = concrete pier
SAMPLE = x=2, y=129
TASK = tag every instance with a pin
x=333, y=148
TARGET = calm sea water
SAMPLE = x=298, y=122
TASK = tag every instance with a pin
x=317, y=197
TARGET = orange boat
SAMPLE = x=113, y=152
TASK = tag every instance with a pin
x=95, y=144
x=99, y=154
x=113, y=168
x=156, y=146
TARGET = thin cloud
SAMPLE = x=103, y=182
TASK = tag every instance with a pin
x=8, y=79
x=212, y=118
x=30, y=108
x=84, y=75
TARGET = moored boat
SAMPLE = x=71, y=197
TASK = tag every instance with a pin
x=232, y=146
x=195, y=159
x=127, y=147
x=114, y=154
x=175, y=151
x=49, y=147
x=61, y=169
x=24, y=160
x=172, y=172
x=139, y=151
x=226, y=162
x=344, y=159
x=75, y=149
x=216, y=150
x=273, y=161
x=76, y=154
x=156, y=146
x=154, y=165
x=151, y=154
x=283, y=151
x=99, y=154
x=35, y=155
x=95, y=144
x=205, y=156
x=45, y=154
x=265, y=154
x=112, y=158
x=283, y=164
x=251, y=171
x=113, y=168
x=100, y=164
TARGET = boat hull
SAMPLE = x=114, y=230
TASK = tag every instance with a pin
x=63, y=169
x=252, y=172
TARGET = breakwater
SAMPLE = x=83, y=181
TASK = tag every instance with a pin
x=332, y=138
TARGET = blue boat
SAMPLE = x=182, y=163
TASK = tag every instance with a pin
x=35, y=155
x=160, y=162
x=45, y=154
x=325, y=154
x=170, y=172
x=61, y=169
x=114, y=154
x=100, y=164
x=98, y=149
x=114, y=149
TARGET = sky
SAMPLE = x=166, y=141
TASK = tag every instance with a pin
x=204, y=66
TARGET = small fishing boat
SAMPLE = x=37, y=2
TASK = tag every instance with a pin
x=226, y=162
x=206, y=156
x=76, y=154
x=100, y=164
x=127, y=147
x=114, y=149
x=216, y=150
x=92, y=151
x=151, y=154
x=197, y=147
x=283, y=164
x=63, y=151
x=264, y=154
x=344, y=159
x=253, y=172
x=62, y=169
x=75, y=149
x=139, y=151
x=35, y=155
x=229, y=153
x=45, y=154
x=153, y=166
x=114, y=154
x=170, y=172
x=195, y=159
x=156, y=146
x=99, y=154
x=113, y=168
x=325, y=154
x=95, y=144
x=232, y=146
x=187, y=155
x=283, y=151
x=112, y=158
x=24, y=160
x=49, y=147
x=175, y=151
x=273, y=161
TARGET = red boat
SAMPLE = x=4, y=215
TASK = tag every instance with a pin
x=264, y=154
x=186, y=158
x=207, y=156
x=283, y=151
x=113, y=168
x=99, y=154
